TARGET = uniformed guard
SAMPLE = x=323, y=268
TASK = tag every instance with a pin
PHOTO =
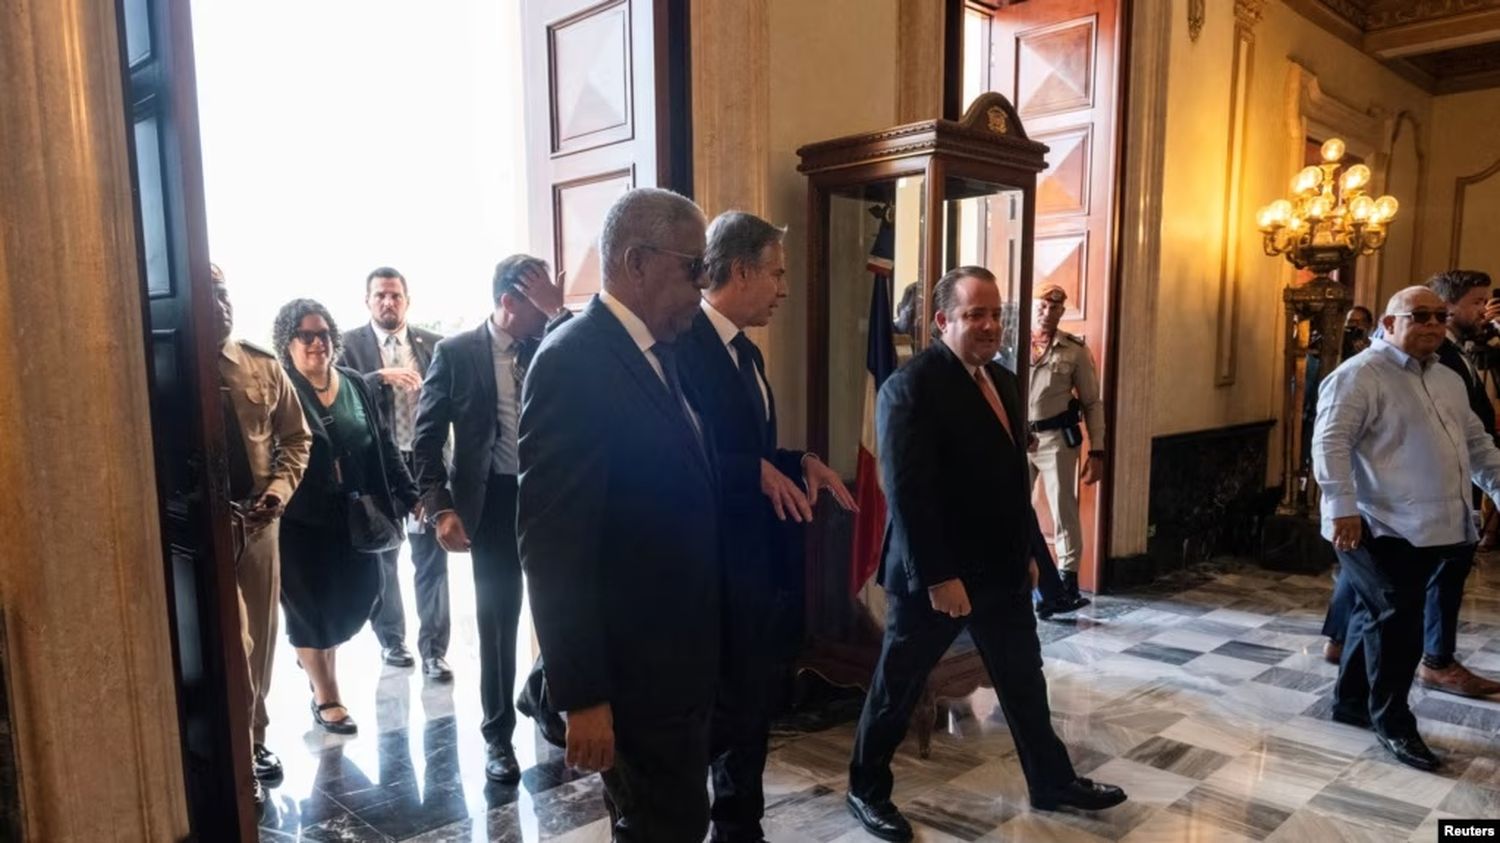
x=268, y=442
x=1064, y=403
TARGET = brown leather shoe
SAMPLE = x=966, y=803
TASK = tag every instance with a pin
x=1333, y=651
x=1458, y=680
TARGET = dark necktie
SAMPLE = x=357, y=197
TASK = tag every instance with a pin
x=241, y=479
x=749, y=358
x=666, y=355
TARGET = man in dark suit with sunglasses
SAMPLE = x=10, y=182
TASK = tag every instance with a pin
x=618, y=525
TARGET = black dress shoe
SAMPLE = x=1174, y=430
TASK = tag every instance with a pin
x=534, y=702
x=1412, y=751
x=347, y=726
x=397, y=655
x=881, y=820
x=266, y=765
x=501, y=766
x=260, y=797
x=1084, y=794
x=437, y=669
x=1061, y=606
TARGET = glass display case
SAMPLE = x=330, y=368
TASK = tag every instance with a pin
x=888, y=213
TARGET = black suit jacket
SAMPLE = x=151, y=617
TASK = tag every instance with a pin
x=362, y=354
x=1479, y=401
x=752, y=536
x=317, y=500
x=618, y=527
x=956, y=486
x=459, y=391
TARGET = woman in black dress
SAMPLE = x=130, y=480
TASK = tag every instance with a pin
x=328, y=587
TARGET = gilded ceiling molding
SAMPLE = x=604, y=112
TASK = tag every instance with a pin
x=1384, y=14
x=1247, y=13
x=1196, y=14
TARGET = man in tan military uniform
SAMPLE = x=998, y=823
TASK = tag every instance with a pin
x=268, y=446
x=1064, y=394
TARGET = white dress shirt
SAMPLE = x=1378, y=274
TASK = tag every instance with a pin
x=637, y=330
x=1397, y=443
x=504, y=458
x=727, y=331
x=644, y=340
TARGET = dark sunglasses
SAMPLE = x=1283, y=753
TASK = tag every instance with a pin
x=307, y=337
x=1420, y=317
x=694, y=263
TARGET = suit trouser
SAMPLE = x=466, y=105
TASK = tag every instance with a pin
x=497, y=604
x=1057, y=464
x=1389, y=578
x=654, y=791
x=1048, y=583
x=740, y=721
x=916, y=637
x=388, y=618
x=258, y=573
x=1444, y=597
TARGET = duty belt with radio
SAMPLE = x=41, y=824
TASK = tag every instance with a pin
x=1067, y=421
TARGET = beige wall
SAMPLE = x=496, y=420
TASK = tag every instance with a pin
x=1465, y=141
x=832, y=73
x=1186, y=398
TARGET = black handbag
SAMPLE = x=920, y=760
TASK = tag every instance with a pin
x=370, y=530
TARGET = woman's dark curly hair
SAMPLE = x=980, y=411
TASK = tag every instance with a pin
x=290, y=316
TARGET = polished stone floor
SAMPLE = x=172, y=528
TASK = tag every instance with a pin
x=1205, y=697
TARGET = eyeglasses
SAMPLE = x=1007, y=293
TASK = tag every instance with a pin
x=307, y=337
x=1420, y=317
x=694, y=262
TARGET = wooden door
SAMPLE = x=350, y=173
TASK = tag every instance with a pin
x=1058, y=63
x=606, y=111
x=187, y=428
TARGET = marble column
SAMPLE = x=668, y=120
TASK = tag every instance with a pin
x=731, y=118
x=919, y=59
x=82, y=581
x=1140, y=266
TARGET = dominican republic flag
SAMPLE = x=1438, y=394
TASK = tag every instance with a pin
x=880, y=361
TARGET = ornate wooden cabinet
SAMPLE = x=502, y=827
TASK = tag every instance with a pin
x=888, y=213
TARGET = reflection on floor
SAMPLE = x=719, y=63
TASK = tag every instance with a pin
x=1206, y=699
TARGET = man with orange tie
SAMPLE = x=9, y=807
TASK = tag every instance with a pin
x=958, y=543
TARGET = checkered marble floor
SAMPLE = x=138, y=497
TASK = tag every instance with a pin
x=1205, y=697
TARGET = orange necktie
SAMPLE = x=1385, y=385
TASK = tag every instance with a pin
x=994, y=398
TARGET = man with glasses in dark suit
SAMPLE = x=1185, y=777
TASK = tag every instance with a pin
x=618, y=525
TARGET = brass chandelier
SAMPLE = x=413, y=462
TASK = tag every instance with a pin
x=1330, y=218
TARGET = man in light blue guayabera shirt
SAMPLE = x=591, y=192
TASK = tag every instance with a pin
x=1394, y=451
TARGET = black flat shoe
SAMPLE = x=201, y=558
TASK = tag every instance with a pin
x=347, y=726
x=1083, y=794
x=397, y=655
x=259, y=795
x=881, y=820
x=1412, y=751
x=266, y=765
x=501, y=766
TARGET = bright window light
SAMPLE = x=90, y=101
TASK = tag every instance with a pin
x=342, y=135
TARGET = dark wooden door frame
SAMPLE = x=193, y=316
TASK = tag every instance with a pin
x=181, y=349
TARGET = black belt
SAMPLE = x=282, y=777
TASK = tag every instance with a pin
x=1067, y=418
